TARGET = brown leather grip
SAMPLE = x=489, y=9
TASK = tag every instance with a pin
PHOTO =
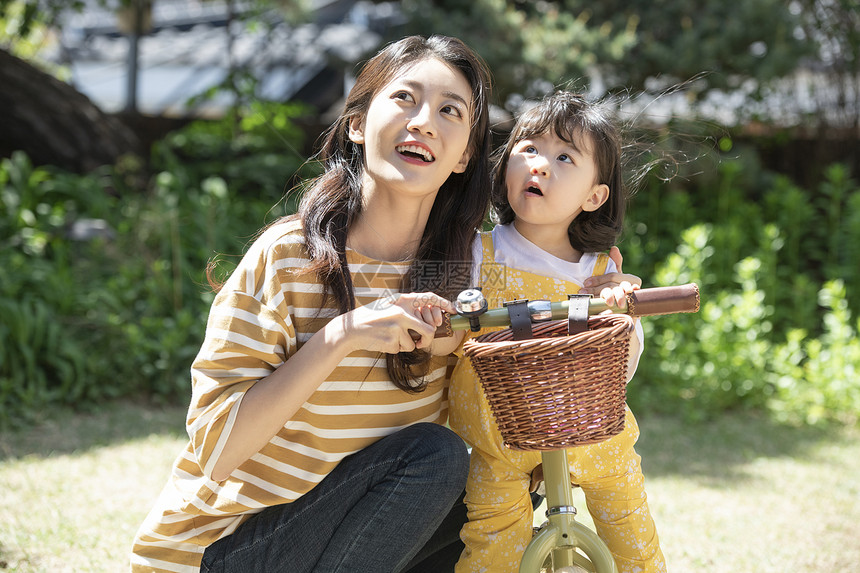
x=663, y=300
x=444, y=330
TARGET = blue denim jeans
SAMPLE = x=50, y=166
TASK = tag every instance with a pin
x=374, y=513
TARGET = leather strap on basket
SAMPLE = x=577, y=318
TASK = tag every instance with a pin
x=577, y=313
x=521, y=322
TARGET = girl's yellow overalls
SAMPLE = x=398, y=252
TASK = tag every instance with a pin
x=497, y=491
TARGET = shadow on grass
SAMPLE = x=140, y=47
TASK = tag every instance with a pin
x=717, y=451
x=713, y=452
x=64, y=431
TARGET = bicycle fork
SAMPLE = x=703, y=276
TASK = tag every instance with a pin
x=562, y=535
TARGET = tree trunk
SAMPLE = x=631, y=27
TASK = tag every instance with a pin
x=54, y=123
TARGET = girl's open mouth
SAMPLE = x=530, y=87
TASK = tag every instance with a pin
x=533, y=190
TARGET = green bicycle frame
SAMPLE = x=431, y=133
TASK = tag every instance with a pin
x=562, y=535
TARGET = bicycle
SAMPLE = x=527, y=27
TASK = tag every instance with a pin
x=528, y=374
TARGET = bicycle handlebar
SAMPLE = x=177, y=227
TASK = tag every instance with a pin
x=642, y=302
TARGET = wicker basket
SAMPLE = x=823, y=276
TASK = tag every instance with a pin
x=556, y=391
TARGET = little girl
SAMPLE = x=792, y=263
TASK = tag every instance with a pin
x=559, y=200
x=317, y=438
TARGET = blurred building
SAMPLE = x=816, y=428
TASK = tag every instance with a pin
x=190, y=48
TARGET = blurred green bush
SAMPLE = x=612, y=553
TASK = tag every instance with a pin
x=103, y=291
x=775, y=263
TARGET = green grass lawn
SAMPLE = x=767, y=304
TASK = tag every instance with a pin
x=736, y=495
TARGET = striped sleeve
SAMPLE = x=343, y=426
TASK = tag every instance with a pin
x=246, y=339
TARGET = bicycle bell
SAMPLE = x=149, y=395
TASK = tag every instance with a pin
x=471, y=304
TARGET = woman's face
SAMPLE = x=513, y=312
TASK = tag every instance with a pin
x=416, y=129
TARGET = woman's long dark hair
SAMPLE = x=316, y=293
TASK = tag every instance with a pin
x=578, y=122
x=331, y=205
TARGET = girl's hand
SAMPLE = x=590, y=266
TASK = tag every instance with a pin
x=613, y=287
x=617, y=296
x=400, y=323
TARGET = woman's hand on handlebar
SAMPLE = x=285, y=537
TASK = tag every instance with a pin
x=613, y=287
x=400, y=323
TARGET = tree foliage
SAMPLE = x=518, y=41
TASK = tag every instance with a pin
x=22, y=16
x=636, y=44
x=834, y=27
x=526, y=44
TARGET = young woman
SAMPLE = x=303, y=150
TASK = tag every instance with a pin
x=319, y=397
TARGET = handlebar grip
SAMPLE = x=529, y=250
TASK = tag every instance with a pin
x=663, y=300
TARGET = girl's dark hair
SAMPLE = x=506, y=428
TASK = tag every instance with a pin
x=580, y=123
x=332, y=203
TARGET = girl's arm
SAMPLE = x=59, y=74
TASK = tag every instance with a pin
x=635, y=352
x=272, y=401
x=617, y=296
x=448, y=344
x=613, y=289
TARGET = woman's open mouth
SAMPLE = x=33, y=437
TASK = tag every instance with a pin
x=416, y=152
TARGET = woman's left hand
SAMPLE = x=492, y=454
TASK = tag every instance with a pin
x=613, y=287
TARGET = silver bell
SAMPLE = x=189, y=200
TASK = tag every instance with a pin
x=470, y=301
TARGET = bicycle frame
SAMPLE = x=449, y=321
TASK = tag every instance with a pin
x=562, y=535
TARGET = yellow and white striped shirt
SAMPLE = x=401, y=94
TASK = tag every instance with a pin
x=264, y=314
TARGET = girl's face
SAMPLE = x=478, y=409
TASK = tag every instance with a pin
x=416, y=129
x=549, y=181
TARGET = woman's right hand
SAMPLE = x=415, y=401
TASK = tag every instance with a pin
x=400, y=323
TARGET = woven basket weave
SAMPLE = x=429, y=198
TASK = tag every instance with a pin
x=556, y=391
